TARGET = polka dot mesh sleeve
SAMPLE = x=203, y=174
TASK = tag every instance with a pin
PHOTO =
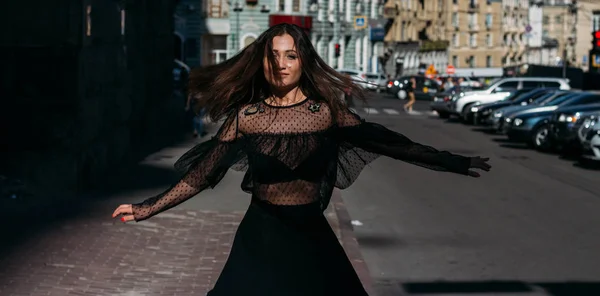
x=361, y=142
x=203, y=166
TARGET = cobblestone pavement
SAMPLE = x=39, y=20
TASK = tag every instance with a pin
x=179, y=252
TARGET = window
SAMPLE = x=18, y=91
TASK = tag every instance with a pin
x=248, y=40
x=472, y=21
x=532, y=84
x=551, y=84
x=488, y=40
x=471, y=61
x=488, y=61
x=596, y=21
x=295, y=5
x=506, y=86
x=488, y=20
x=473, y=40
x=88, y=20
x=122, y=22
x=546, y=20
x=558, y=19
x=455, y=19
x=455, y=61
x=455, y=40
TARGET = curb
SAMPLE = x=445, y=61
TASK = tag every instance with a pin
x=349, y=241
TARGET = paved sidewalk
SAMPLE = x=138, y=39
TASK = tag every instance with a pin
x=80, y=250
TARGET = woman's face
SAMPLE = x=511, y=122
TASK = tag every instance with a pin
x=287, y=70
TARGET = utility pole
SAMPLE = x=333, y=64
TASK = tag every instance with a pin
x=572, y=40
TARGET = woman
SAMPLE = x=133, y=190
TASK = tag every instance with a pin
x=410, y=91
x=286, y=124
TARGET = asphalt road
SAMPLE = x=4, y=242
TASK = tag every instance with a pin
x=528, y=227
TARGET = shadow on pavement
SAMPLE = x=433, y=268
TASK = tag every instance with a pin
x=22, y=220
x=388, y=287
x=550, y=288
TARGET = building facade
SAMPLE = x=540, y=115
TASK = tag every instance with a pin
x=541, y=50
x=214, y=30
x=515, y=19
x=474, y=28
x=588, y=22
x=102, y=87
x=327, y=22
x=356, y=26
x=415, y=37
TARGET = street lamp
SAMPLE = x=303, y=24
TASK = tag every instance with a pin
x=237, y=8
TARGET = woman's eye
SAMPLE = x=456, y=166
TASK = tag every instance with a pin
x=292, y=57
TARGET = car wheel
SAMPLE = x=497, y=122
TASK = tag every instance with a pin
x=465, y=112
x=402, y=94
x=540, y=138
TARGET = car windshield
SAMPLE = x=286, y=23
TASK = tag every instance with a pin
x=560, y=99
x=517, y=95
x=534, y=96
x=372, y=76
x=349, y=72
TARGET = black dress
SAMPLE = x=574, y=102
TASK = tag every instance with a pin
x=293, y=156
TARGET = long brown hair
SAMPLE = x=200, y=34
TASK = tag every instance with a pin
x=225, y=87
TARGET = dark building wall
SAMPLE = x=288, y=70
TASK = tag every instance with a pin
x=191, y=12
x=75, y=106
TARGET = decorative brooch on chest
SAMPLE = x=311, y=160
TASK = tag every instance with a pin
x=254, y=109
x=314, y=107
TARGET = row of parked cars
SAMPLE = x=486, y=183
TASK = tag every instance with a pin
x=544, y=113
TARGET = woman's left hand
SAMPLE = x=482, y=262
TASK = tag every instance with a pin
x=479, y=163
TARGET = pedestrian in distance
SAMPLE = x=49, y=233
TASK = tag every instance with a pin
x=287, y=127
x=410, y=91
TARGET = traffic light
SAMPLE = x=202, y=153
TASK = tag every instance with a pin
x=337, y=50
x=596, y=40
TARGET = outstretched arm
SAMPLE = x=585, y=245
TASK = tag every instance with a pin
x=204, y=165
x=375, y=138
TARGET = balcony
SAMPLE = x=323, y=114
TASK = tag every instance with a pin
x=216, y=14
x=216, y=9
x=473, y=7
x=390, y=12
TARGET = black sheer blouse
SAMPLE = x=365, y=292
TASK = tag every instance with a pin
x=293, y=155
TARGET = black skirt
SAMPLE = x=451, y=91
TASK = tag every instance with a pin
x=286, y=251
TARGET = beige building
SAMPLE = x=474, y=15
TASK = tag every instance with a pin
x=475, y=33
x=570, y=29
x=557, y=27
x=588, y=21
x=515, y=19
x=416, y=37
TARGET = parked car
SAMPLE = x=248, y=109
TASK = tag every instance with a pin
x=471, y=115
x=589, y=136
x=500, y=115
x=532, y=126
x=377, y=81
x=442, y=102
x=565, y=124
x=483, y=114
x=468, y=82
x=426, y=88
x=358, y=76
x=501, y=89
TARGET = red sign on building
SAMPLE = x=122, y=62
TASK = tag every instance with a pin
x=304, y=22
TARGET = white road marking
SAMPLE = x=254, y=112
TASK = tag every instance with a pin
x=371, y=111
x=391, y=111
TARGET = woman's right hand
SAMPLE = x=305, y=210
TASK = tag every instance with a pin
x=126, y=211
